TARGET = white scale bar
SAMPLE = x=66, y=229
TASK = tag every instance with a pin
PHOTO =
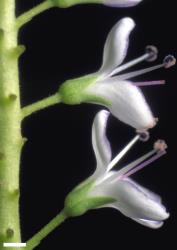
x=14, y=244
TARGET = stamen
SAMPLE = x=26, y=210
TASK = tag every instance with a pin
x=150, y=55
x=133, y=167
x=122, y=153
x=153, y=52
x=139, y=72
x=144, y=135
x=144, y=164
x=129, y=64
x=160, y=145
x=122, y=172
x=104, y=177
x=149, y=83
x=168, y=62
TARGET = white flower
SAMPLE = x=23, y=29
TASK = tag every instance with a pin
x=121, y=96
x=121, y=3
x=113, y=3
x=131, y=199
x=125, y=99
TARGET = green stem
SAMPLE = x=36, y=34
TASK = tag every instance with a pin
x=46, y=102
x=11, y=141
x=46, y=230
x=27, y=16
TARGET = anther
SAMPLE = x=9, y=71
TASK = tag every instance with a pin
x=143, y=135
x=153, y=53
x=160, y=146
x=169, y=61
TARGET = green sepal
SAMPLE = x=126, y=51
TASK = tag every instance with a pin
x=73, y=202
x=78, y=202
x=68, y=3
x=74, y=91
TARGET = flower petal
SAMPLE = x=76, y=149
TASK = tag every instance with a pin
x=150, y=223
x=136, y=202
x=100, y=142
x=116, y=45
x=121, y=3
x=127, y=102
x=146, y=191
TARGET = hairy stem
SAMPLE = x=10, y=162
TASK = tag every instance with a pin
x=27, y=16
x=11, y=141
x=46, y=230
x=46, y=102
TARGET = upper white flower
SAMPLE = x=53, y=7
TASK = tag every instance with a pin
x=131, y=199
x=125, y=99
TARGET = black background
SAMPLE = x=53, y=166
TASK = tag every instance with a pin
x=65, y=43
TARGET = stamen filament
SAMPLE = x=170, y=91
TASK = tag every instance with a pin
x=139, y=72
x=129, y=64
x=104, y=178
x=149, y=83
x=122, y=153
x=144, y=164
x=122, y=172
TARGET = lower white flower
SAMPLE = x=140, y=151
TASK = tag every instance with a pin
x=130, y=198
